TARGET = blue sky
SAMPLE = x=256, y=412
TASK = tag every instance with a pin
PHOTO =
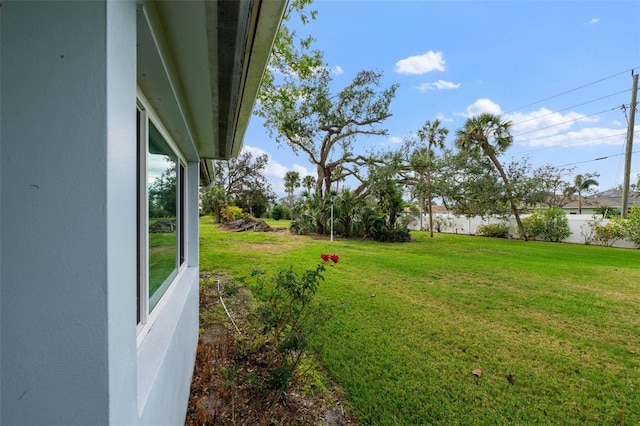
x=559, y=71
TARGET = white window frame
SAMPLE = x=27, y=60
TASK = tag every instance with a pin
x=146, y=317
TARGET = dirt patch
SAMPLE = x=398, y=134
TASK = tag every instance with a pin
x=221, y=390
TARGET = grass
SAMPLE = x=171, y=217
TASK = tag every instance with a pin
x=555, y=328
x=162, y=258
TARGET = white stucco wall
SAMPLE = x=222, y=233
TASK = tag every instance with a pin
x=54, y=280
x=69, y=350
x=578, y=224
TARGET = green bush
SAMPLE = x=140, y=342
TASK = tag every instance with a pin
x=496, y=230
x=608, y=212
x=277, y=212
x=631, y=225
x=393, y=235
x=533, y=225
x=231, y=213
x=551, y=224
x=288, y=314
x=608, y=234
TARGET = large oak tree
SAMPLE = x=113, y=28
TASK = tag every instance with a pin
x=308, y=117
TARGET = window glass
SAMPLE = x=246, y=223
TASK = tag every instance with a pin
x=162, y=191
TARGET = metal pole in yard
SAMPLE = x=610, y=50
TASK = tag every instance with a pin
x=332, y=218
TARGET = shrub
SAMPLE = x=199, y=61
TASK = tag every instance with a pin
x=631, y=225
x=496, y=230
x=231, y=213
x=608, y=234
x=551, y=224
x=288, y=314
x=608, y=212
x=533, y=225
x=393, y=235
x=277, y=212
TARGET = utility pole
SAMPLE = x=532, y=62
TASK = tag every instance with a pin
x=627, y=156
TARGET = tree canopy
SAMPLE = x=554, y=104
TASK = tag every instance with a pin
x=240, y=181
x=486, y=133
x=324, y=125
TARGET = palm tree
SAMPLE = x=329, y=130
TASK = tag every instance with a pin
x=435, y=136
x=581, y=185
x=308, y=182
x=487, y=134
x=291, y=182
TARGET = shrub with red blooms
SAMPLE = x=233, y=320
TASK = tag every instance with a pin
x=287, y=310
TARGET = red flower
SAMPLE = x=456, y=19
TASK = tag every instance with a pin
x=334, y=258
x=325, y=257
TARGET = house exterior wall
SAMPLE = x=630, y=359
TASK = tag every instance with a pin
x=54, y=280
x=70, y=352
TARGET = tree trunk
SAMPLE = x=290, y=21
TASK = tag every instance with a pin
x=421, y=202
x=429, y=206
x=430, y=211
x=579, y=202
x=514, y=208
x=320, y=181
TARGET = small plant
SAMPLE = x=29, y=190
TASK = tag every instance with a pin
x=440, y=223
x=231, y=213
x=496, y=230
x=608, y=212
x=277, y=212
x=608, y=234
x=631, y=225
x=551, y=224
x=588, y=229
x=288, y=314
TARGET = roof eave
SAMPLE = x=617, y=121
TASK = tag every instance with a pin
x=201, y=63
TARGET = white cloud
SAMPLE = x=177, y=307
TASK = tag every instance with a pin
x=616, y=123
x=302, y=170
x=395, y=139
x=438, y=85
x=157, y=164
x=421, y=64
x=274, y=171
x=337, y=70
x=546, y=128
x=544, y=122
x=481, y=106
x=583, y=137
x=273, y=168
x=594, y=21
x=442, y=118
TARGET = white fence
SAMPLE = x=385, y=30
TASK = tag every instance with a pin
x=451, y=224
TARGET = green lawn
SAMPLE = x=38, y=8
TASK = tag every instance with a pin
x=555, y=328
x=162, y=258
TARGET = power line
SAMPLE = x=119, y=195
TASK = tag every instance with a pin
x=572, y=90
x=582, y=142
x=565, y=122
x=595, y=159
x=570, y=107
